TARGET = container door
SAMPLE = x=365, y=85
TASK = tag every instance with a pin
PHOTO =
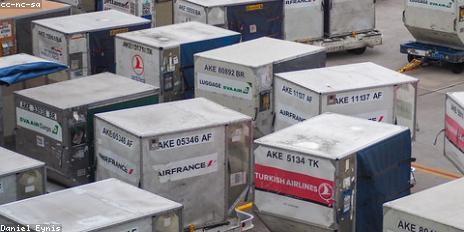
x=343, y=17
x=30, y=183
x=78, y=56
x=101, y=47
x=8, y=191
x=189, y=168
x=383, y=175
x=257, y=20
x=7, y=38
x=163, y=13
x=239, y=160
x=405, y=106
x=168, y=222
x=296, y=187
x=171, y=81
x=454, y=133
x=304, y=20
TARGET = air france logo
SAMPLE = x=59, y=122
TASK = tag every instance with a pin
x=187, y=168
x=117, y=164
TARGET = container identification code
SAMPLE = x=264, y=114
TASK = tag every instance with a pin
x=348, y=99
x=411, y=227
x=184, y=141
x=118, y=137
x=38, y=110
x=297, y=94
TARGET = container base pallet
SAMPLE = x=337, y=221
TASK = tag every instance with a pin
x=243, y=221
x=434, y=53
x=357, y=42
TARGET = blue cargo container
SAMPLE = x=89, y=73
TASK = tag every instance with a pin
x=163, y=56
x=84, y=42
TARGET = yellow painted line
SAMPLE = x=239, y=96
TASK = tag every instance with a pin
x=436, y=172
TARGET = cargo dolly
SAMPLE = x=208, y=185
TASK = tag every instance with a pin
x=428, y=53
x=355, y=43
x=243, y=221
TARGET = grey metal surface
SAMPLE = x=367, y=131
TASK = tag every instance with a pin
x=316, y=136
x=86, y=91
x=176, y=116
x=436, y=209
x=91, y=21
x=12, y=162
x=344, y=17
x=347, y=77
x=259, y=52
x=92, y=207
x=176, y=34
x=17, y=59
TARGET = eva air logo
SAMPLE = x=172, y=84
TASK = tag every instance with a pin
x=55, y=130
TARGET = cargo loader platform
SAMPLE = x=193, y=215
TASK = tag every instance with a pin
x=434, y=53
x=356, y=43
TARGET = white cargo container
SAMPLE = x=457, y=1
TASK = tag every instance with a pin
x=303, y=20
x=438, y=22
x=241, y=76
x=364, y=90
x=330, y=173
x=251, y=18
x=20, y=177
x=437, y=209
x=84, y=42
x=109, y=205
x=195, y=152
x=454, y=129
x=163, y=56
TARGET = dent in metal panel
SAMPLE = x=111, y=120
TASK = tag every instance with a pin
x=117, y=154
x=8, y=191
x=189, y=168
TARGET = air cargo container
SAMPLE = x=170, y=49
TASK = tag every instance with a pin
x=331, y=173
x=241, y=76
x=163, y=56
x=163, y=13
x=194, y=151
x=109, y=205
x=433, y=210
x=15, y=25
x=20, y=177
x=251, y=18
x=141, y=8
x=454, y=129
x=438, y=27
x=364, y=90
x=21, y=71
x=84, y=42
x=337, y=25
x=55, y=122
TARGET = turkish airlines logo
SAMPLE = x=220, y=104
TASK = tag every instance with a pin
x=325, y=192
x=137, y=65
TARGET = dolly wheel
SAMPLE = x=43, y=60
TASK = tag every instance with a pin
x=457, y=68
x=358, y=51
x=412, y=57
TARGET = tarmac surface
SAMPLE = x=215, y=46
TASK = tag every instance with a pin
x=432, y=168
